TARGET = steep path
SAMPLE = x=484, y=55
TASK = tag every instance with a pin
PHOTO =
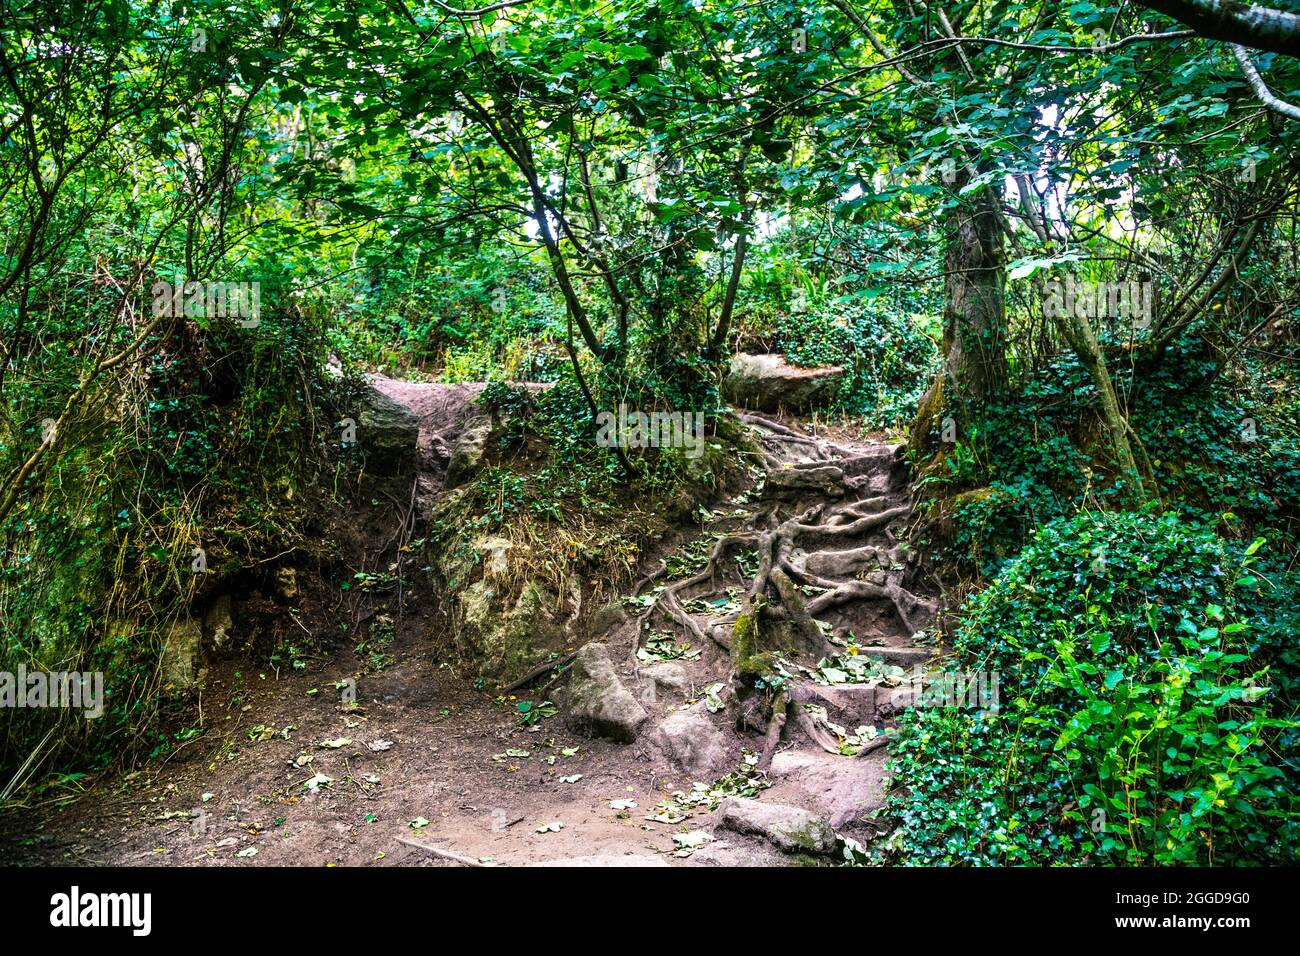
x=814, y=553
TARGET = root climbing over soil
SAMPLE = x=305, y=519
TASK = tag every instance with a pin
x=825, y=541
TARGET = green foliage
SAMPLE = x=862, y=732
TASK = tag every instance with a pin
x=1218, y=448
x=1142, y=718
x=1023, y=467
x=564, y=190
x=549, y=465
x=105, y=542
x=472, y=316
x=1038, y=454
x=547, y=462
x=889, y=361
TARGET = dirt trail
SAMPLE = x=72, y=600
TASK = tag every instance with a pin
x=422, y=757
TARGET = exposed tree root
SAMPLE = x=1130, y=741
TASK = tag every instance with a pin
x=792, y=603
x=860, y=509
x=826, y=528
x=670, y=600
x=816, y=732
x=441, y=853
x=856, y=528
x=538, y=671
x=776, y=428
x=772, y=739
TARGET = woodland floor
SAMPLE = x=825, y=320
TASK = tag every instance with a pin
x=224, y=794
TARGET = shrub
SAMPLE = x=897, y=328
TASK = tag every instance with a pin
x=1142, y=676
x=1041, y=451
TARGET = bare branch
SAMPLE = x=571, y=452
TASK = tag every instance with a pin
x=1262, y=92
x=474, y=14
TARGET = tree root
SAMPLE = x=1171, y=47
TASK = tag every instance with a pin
x=816, y=732
x=859, y=509
x=871, y=745
x=670, y=600
x=905, y=602
x=537, y=672
x=776, y=428
x=810, y=635
x=772, y=739
x=825, y=546
x=846, y=564
x=856, y=528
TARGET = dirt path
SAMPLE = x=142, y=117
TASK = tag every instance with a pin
x=289, y=774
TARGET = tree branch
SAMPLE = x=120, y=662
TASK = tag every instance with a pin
x=1262, y=92
x=1246, y=23
x=474, y=14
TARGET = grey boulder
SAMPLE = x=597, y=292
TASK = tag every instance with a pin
x=791, y=829
x=599, y=705
x=387, y=432
x=767, y=382
x=468, y=451
x=691, y=741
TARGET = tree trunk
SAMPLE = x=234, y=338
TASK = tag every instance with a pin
x=974, y=317
x=1134, y=464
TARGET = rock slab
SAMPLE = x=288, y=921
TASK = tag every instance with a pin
x=599, y=705
x=844, y=789
x=767, y=382
x=691, y=741
x=791, y=829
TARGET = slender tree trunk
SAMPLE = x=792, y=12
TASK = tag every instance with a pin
x=1129, y=455
x=719, y=340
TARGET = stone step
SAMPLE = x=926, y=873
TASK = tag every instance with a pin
x=791, y=829
x=840, y=789
x=855, y=705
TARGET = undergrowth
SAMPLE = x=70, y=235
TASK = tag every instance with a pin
x=196, y=471
x=1147, y=712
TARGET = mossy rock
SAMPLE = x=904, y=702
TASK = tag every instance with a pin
x=505, y=638
x=789, y=829
x=976, y=496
